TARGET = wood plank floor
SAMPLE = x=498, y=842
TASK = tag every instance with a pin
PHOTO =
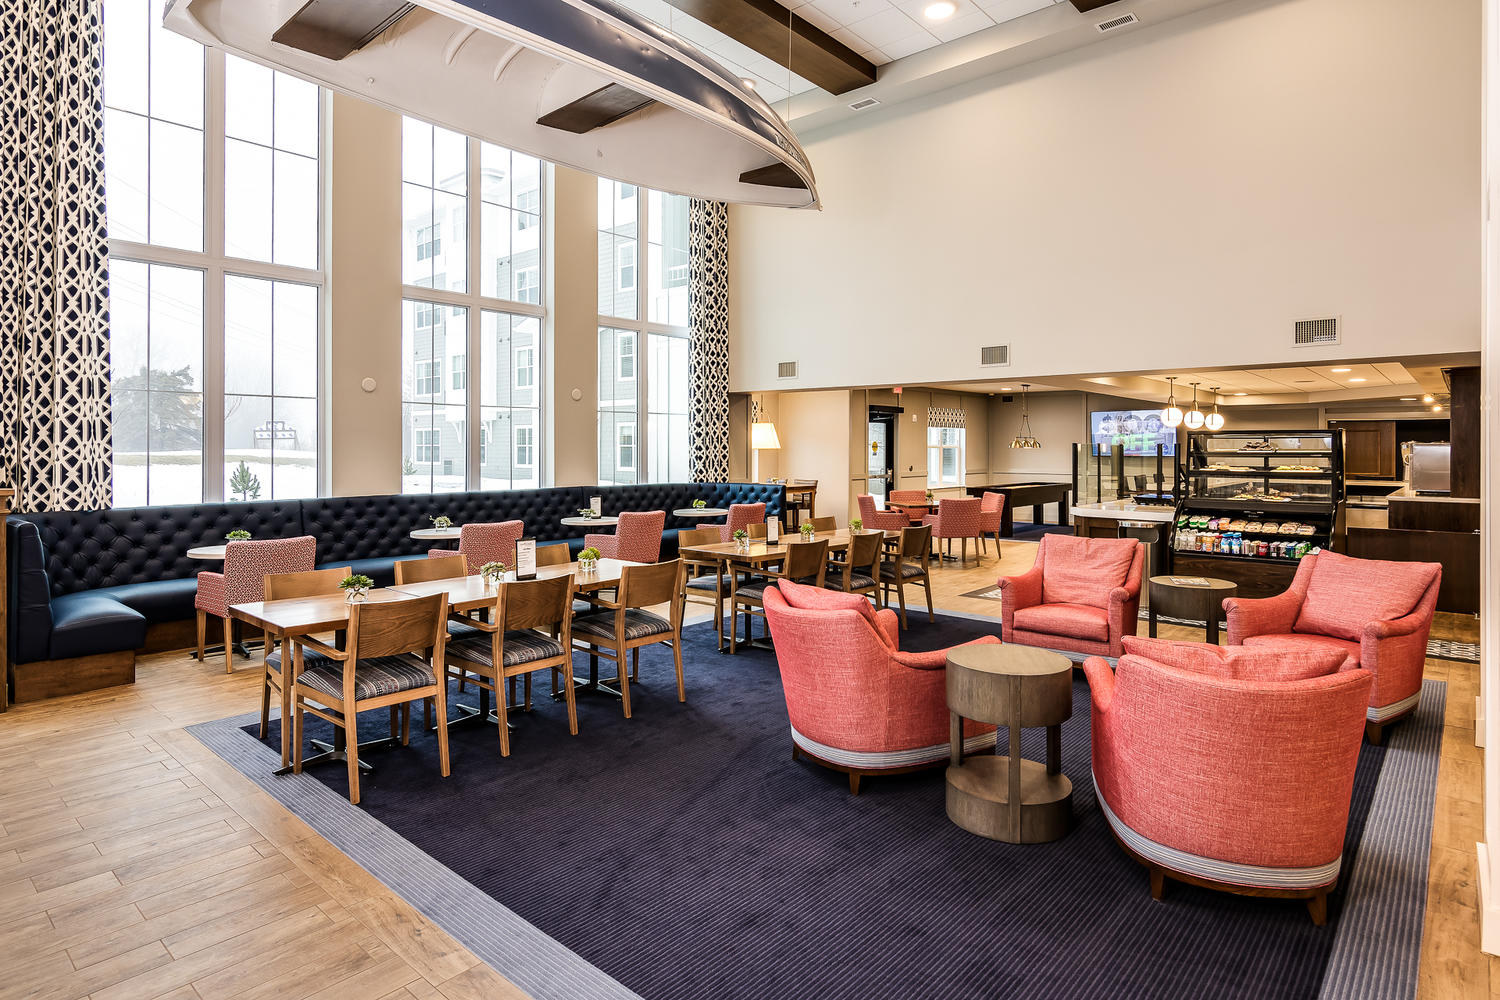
x=135, y=864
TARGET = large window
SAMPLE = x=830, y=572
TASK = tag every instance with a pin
x=471, y=405
x=642, y=312
x=945, y=456
x=213, y=181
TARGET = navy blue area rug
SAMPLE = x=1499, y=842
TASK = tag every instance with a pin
x=684, y=854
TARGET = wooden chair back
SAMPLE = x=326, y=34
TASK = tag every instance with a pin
x=544, y=604
x=312, y=583
x=432, y=568
x=823, y=523
x=864, y=550
x=756, y=529
x=916, y=543
x=645, y=586
x=558, y=554
x=394, y=627
x=697, y=536
x=806, y=559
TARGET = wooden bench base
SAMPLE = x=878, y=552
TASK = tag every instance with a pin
x=55, y=678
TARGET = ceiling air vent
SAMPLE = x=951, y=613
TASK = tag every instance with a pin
x=1311, y=332
x=1116, y=23
x=786, y=369
x=860, y=105
x=993, y=356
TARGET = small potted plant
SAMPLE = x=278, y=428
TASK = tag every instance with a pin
x=699, y=504
x=237, y=535
x=807, y=532
x=441, y=522
x=855, y=524
x=588, y=560
x=492, y=573
x=742, y=539
x=587, y=513
x=929, y=496
x=356, y=587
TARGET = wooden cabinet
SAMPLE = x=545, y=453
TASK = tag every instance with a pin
x=1369, y=448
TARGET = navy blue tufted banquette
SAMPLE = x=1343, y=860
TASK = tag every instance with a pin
x=87, y=582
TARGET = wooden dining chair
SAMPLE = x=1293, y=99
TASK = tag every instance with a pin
x=858, y=572
x=384, y=665
x=282, y=587
x=435, y=567
x=625, y=624
x=529, y=629
x=824, y=523
x=911, y=563
x=805, y=562
x=557, y=554
x=703, y=582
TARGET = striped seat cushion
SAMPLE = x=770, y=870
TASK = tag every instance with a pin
x=638, y=625
x=756, y=589
x=703, y=583
x=372, y=678
x=520, y=646
x=908, y=571
x=856, y=581
x=458, y=630
x=310, y=658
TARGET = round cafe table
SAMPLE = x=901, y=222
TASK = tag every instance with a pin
x=208, y=553
x=1199, y=601
x=436, y=534
x=700, y=512
x=591, y=522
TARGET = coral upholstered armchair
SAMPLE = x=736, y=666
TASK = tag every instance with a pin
x=246, y=566
x=1081, y=596
x=959, y=519
x=1215, y=772
x=637, y=538
x=857, y=703
x=1377, y=613
x=741, y=515
x=485, y=543
x=886, y=520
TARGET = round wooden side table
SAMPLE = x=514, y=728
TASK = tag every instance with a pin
x=1195, y=602
x=1010, y=798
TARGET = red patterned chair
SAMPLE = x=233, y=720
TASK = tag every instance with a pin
x=991, y=512
x=637, y=537
x=741, y=515
x=485, y=543
x=246, y=566
x=957, y=519
x=1082, y=595
x=857, y=703
x=1229, y=768
x=886, y=520
x=918, y=497
x=1377, y=613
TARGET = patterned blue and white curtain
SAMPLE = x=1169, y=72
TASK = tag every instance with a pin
x=54, y=257
x=708, y=356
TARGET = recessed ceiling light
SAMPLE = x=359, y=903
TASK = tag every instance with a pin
x=1242, y=394
x=1408, y=399
x=939, y=10
x=1359, y=380
x=1427, y=398
x=1006, y=388
x=1340, y=371
x=1437, y=408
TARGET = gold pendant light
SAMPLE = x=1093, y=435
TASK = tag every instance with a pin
x=1024, y=438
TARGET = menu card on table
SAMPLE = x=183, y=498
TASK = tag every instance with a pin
x=526, y=558
x=773, y=530
x=597, y=503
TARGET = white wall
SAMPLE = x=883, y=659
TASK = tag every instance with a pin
x=1177, y=196
x=814, y=432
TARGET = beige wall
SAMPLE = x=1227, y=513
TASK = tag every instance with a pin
x=1179, y=196
x=814, y=432
x=364, y=291
x=573, y=330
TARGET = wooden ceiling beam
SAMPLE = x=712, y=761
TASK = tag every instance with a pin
x=763, y=25
x=776, y=175
x=595, y=110
x=335, y=28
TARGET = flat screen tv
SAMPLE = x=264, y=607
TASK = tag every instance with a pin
x=1140, y=431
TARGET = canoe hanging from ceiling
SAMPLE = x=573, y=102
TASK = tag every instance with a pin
x=583, y=83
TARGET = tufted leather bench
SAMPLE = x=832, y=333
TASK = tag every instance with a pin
x=82, y=583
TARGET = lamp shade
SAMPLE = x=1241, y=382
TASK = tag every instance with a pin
x=763, y=436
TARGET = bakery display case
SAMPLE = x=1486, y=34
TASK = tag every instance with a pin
x=1255, y=502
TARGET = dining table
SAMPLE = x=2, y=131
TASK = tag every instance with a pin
x=757, y=552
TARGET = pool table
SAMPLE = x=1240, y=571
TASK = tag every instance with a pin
x=1033, y=495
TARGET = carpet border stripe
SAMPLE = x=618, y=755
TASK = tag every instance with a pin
x=535, y=962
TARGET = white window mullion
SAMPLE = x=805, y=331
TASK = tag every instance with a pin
x=642, y=375
x=473, y=419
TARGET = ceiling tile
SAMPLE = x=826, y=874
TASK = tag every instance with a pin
x=1005, y=10
x=846, y=12
x=884, y=28
x=907, y=46
x=964, y=24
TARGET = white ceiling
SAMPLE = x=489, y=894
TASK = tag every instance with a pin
x=1283, y=381
x=880, y=30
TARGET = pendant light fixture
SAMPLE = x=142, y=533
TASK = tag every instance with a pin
x=1215, y=420
x=1194, y=418
x=1024, y=438
x=1171, y=415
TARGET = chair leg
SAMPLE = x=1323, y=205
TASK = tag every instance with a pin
x=568, y=694
x=963, y=551
x=351, y=751
x=286, y=721
x=901, y=595
x=927, y=589
x=395, y=722
x=441, y=701
x=635, y=664
x=623, y=676
x=228, y=645
x=854, y=782
x=427, y=708
x=526, y=687
x=202, y=628
x=734, y=627
x=296, y=734
x=1158, y=884
x=1374, y=732
x=677, y=663
x=1317, y=908
x=406, y=723
x=265, y=698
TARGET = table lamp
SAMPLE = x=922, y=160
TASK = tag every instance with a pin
x=762, y=437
